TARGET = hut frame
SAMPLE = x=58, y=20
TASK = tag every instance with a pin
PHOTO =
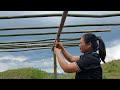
x=49, y=43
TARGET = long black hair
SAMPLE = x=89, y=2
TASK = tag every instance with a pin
x=100, y=46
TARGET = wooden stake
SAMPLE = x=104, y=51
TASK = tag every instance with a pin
x=55, y=66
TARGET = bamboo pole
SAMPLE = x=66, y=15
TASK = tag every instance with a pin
x=58, y=39
x=24, y=50
x=33, y=46
x=36, y=42
x=54, y=27
x=53, y=15
x=39, y=41
x=31, y=49
x=48, y=33
x=27, y=41
x=55, y=66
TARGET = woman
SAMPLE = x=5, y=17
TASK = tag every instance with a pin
x=86, y=66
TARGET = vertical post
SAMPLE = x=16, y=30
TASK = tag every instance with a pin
x=58, y=39
x=55, y=66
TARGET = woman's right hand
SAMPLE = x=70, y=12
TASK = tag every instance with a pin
x=59, y=45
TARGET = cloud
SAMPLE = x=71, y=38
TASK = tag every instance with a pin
x=11, y=57
x=113, y=52
x=3, y=67
x=12, y=62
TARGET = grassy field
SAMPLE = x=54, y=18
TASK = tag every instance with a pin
x=25, y=73
x=111, y=70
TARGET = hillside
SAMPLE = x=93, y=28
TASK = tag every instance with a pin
x=25, y=73
x=111, y=70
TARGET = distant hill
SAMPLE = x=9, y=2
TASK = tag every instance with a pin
x=25, y=73
x=111, y=70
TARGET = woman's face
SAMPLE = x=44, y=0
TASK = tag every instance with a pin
x=83, y=46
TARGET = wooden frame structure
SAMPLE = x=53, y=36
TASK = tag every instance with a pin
x=48, y=43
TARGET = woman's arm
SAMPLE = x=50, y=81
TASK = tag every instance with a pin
x=69, y=57
x=68, y=68
x=66, y=54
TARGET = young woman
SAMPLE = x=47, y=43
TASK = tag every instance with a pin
x=86, y=66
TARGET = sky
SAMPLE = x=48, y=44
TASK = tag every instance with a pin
x=43, y=59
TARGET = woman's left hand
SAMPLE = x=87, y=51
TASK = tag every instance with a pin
x=57, y=50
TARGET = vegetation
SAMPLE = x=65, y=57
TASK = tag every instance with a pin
x=111, y=70
x=25, y=73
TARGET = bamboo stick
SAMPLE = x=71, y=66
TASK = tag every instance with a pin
x=53, y=15
x=31, y=49
x=24, y=50
x=39, y=41
x=12, y=48
x=55, y=66
x=48, y=33
x=33, y=45
x=28, y=41
x=58, y=39
x=61, y=25
x=54, y=27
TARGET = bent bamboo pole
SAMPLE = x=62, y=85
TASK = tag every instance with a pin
x=36, y=42
x=66, y=26
x=53, y=15
x=43, y=48
x=33, y=45
x=48, y=33
x=39, y=41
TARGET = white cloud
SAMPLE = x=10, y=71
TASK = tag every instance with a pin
x=3, y=67
x=113, y=52
x=44, y=64
x=47, y=65
x=11, y=57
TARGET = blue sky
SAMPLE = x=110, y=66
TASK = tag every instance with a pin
x=42, y=59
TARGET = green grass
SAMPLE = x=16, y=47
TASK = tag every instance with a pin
x=111, y=70
x=67, y=76
x=25, y=73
